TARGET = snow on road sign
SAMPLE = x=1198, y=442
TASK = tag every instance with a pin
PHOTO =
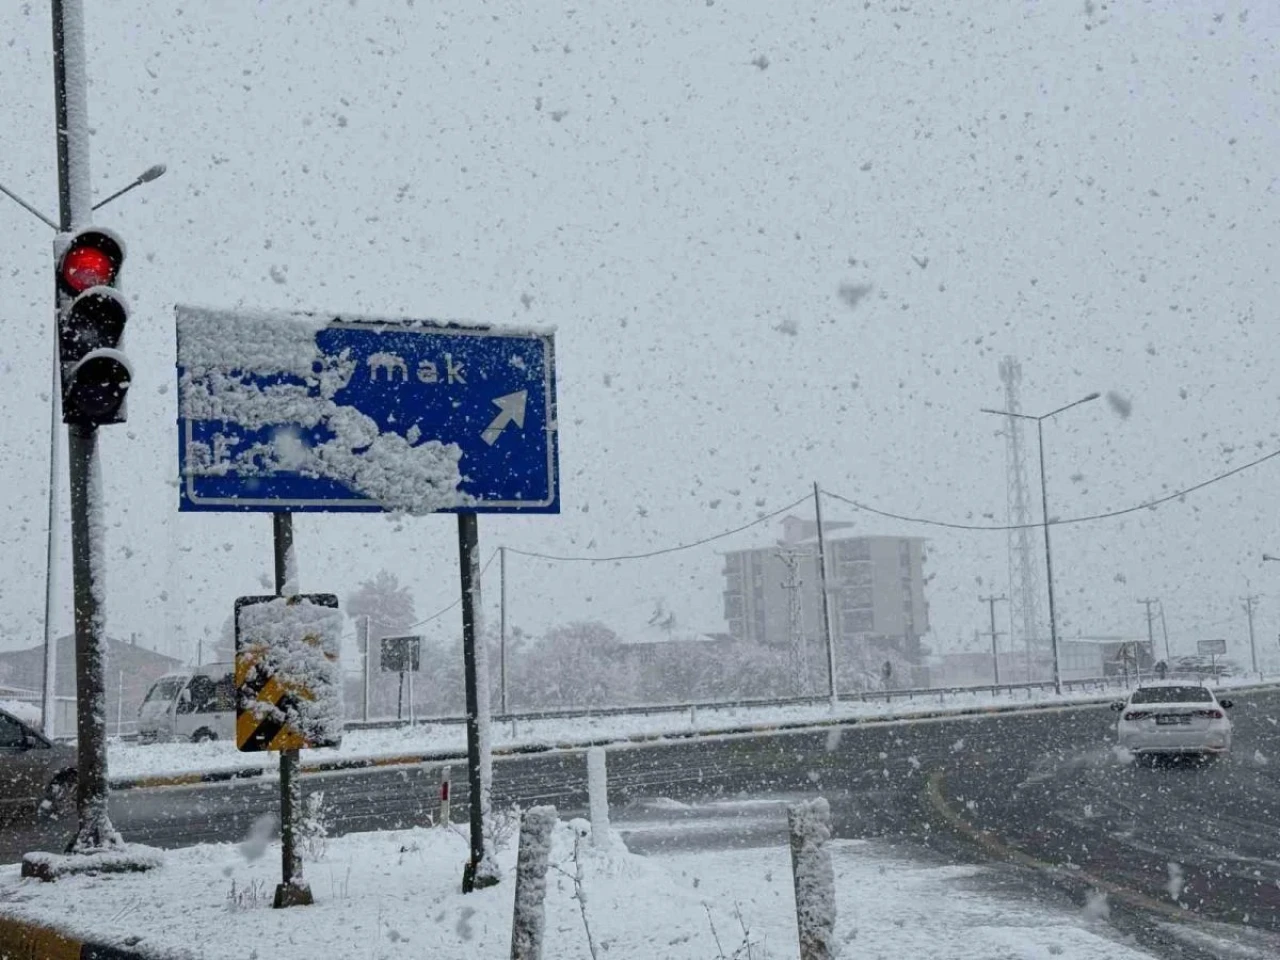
x=281, y=411
x=288, y=680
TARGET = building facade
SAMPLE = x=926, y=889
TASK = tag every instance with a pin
x=128, y=672
x=876, y=583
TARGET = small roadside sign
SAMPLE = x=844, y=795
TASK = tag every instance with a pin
x=287, y=676
x=1211, y=648
x=401, y=654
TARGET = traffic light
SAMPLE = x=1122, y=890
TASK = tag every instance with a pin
x=91, y=321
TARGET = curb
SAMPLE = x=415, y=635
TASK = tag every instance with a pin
x=638, y=739
x=25, y=940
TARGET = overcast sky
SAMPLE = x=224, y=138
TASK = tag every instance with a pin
x=681, y=188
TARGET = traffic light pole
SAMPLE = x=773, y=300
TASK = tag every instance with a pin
x=94, y=831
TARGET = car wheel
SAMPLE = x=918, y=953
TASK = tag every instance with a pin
x=59, y=796
x=203, y=735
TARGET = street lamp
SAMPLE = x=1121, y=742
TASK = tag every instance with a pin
x=1044, y=503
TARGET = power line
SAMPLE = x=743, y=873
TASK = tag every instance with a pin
x=1059, y=522
x=441, y=612
x=664, y=550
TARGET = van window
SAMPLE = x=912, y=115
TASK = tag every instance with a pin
x=221, y=698
x=165, y=689
x=210, y=695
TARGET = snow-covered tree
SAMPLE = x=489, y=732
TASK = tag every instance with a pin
x=387, y=604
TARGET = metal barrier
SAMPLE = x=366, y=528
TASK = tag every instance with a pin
x=1088, y=684
x=1085, y=685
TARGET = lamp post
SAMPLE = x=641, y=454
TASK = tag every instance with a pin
x=1044, y=504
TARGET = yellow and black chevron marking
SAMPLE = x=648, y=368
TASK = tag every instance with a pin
x=255, y=685
x=27, y=940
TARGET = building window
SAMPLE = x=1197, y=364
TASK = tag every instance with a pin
x=852, y=550
x=855, y=598
x=855, y=573
x=858, y=621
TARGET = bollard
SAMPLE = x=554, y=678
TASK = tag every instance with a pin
x=809, y=824
x=445, y=778
x=529, y=920
x=598, y=797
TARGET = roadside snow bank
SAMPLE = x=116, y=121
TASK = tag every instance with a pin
x=396, y=895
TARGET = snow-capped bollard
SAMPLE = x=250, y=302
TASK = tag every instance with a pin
x=598, y=796
x=809, y=824
x=529, y=920
x=446, y=779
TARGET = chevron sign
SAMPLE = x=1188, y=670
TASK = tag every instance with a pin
x=287, y=675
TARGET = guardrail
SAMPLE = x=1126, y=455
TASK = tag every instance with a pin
x=127, y=731
x=863, y=696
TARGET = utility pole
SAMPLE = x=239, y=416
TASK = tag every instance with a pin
x=1164, y=629
x=795, y=620
x=362, y=641
x=824, y=599
x=995, y=650
x=1253, y=649
x=1151, y=639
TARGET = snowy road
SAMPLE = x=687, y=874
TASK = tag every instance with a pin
x=1044, y=792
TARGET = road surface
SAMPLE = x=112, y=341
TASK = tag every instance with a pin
x=1044, y=793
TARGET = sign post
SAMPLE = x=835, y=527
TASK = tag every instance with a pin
x=288, y=689
x=1212, y=649
x=287, y=412
x=479, y=871
x=402, y=655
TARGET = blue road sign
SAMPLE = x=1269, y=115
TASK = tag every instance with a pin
x=304, y=413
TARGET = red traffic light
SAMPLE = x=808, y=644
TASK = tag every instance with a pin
x=85, y=267
x=91, y=259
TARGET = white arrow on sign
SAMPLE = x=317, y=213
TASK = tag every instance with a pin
x=512, y=411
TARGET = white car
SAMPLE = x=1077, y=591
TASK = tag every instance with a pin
x=1172, y=717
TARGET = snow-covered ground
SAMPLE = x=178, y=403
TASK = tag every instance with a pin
x=396, y=894
x=129, y=760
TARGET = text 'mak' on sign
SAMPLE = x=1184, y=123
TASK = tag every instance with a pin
x=287, y=674
x=298, y=412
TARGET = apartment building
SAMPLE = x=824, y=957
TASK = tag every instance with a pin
x=876, y=585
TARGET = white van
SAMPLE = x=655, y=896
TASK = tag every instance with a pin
x=195, y=706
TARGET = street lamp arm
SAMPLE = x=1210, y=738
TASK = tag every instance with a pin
x=26, y=206
x=1054, y=413
x=147, y=175
x=1009, y=413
